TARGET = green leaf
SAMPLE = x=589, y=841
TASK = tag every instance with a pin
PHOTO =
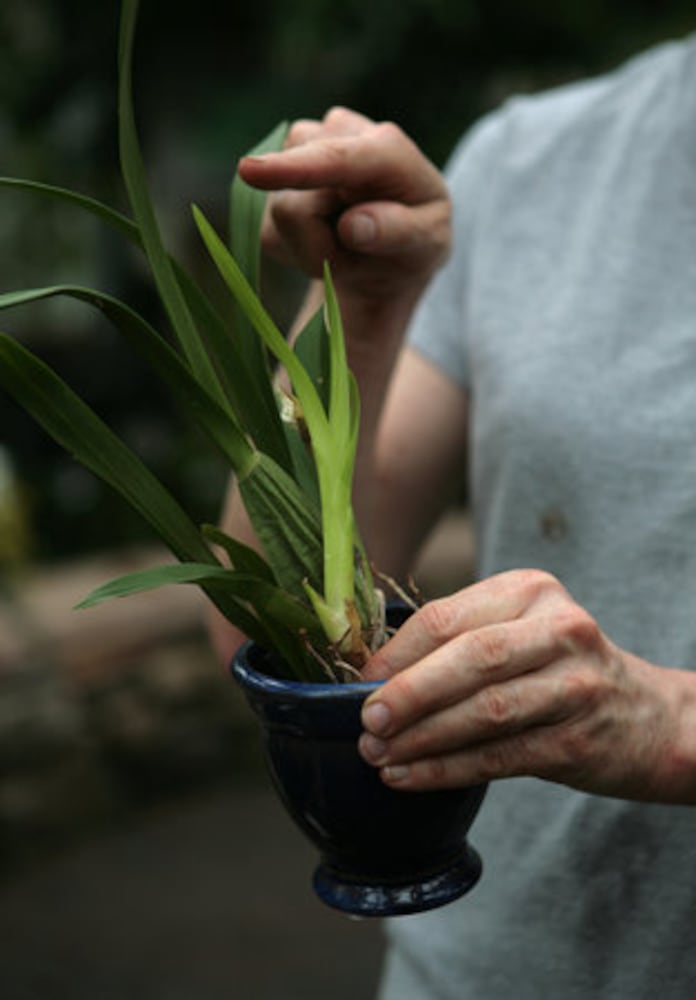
x=287, y=526
x=81, y=432
x=274, y=608
x=246, y=212
x=333, y=435
x=312, y=348
x=251, y=398
x=251, y=401
x=242, y=557
x=135, y=181
x=74, y=426
x=202, y=575
x=276, y=602
x=218, y=424
x=263, y=324
x=113, y=218
x=246, y=215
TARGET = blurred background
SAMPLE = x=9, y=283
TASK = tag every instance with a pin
x=141, y=852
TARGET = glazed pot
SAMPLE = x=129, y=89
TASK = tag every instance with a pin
x=383, y=852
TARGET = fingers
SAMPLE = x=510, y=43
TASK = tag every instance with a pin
x=390, y=228
x=337, y=121
x=523, y=754
x=508, y=677
x=469, y=675
x=296, y=230
x=501, y=598
x=380, y=162
x=360, y=195
x=496, y=711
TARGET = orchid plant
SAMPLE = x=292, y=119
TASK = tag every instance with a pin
x=309, y=595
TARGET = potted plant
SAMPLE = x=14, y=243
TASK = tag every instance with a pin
x=309, y=603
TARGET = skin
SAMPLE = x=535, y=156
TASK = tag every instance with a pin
x=509, y=676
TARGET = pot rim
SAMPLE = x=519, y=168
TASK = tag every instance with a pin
x=255, y=680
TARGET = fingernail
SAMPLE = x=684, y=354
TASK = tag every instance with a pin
x=376, y=718
x=373, y=750
x=396, y=774
x=362, y=230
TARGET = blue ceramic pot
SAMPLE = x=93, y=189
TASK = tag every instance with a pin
x=383, y=852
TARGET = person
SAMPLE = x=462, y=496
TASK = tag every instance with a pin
x=548, y=287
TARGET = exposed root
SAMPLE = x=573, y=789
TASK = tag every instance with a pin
x=413, y=600
x=323, y=663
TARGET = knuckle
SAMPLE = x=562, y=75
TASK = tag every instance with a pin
x=496, y=760
x=417, y=745
x=489, y=649
x=298, y=132
x=582, y=689
x=442, y=229
x=282, y=207
x=439, y=619
x=574, y=748
x=499, y=706
x=536, y=583
x=435, y=771
x=411, y=699
x=389, y=132
x=578, y=629
x=337, y=116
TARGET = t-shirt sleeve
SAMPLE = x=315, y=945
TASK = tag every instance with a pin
x=439, y=329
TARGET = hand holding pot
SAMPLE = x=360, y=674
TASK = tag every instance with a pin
x=511, y=677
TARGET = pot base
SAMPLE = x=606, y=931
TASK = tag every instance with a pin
x=398, y=898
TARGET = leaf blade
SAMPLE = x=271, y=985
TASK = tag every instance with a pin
x=133, y=172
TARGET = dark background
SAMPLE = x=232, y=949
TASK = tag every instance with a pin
x=212, y=78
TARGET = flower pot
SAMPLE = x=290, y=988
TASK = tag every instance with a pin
x=383, y=852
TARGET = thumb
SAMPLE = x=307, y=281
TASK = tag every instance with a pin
x=358, y=230
x=392, y=229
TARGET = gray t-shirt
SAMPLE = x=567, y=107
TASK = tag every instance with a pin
x=568, y=309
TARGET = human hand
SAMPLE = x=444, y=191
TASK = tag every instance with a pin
x=511, y=677
x=359, y=194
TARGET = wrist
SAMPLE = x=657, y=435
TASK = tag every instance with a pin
x=678, y=777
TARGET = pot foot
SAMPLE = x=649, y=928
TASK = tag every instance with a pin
x=398, y=897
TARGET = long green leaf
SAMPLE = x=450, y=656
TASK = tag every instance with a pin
x=82, y=433
x=246, y=215
x=255, y=591
x=217, y=423
x=312, y=348
x=287, y=526
x=201, y=574
x=277, y=621
x=74, y=426
x=242, y=557
x=247, y=206
x=332, y=436
x=133, y=172
x=251, y=400
x=97, y=208
x=264, y=325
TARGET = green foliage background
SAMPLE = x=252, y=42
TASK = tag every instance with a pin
x=211, y=78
